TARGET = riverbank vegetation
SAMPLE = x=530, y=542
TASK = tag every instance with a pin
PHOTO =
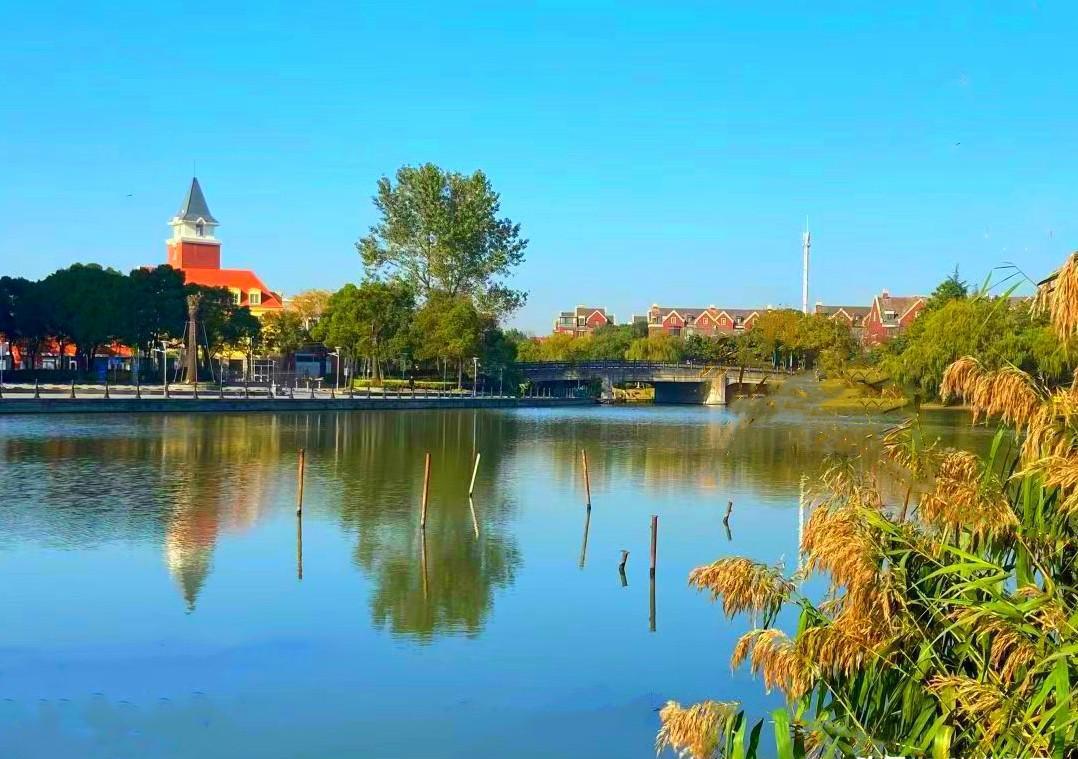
x=949, y=623
x=88, y=308
x=779, y=338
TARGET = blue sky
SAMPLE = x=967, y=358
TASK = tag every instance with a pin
x=665, y=152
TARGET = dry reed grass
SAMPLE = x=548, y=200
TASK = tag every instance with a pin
x=1059, y=299
x=1007, y=393
x=776, y=658
x=964, y=495
x=694, y=731
x=743, y=585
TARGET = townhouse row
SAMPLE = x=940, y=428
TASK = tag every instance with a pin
x=870, y=325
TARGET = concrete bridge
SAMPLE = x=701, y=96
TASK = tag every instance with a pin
x=709, y=384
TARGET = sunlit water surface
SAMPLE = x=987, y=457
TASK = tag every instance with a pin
x=161, y=598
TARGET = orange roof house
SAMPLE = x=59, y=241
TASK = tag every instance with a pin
x=194, y=250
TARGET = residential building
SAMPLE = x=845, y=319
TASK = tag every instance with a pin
x=710, y=321
x=852, y=316
x=890, y=315
x=194, y=250
x=582, y=320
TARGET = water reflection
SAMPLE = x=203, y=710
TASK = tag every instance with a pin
x=184, y=482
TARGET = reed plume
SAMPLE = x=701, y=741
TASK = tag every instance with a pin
x=743, y=585
x=1059, y=299
x=695, y=731
x=965, y=495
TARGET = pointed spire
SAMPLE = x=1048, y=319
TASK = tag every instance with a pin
x=194, y=205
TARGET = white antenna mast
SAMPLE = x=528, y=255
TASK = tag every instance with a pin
x=806, y=243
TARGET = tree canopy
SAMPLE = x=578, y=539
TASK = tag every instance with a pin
x=440, y=232
x=370, y=320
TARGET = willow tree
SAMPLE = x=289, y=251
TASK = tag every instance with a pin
x=440, y=232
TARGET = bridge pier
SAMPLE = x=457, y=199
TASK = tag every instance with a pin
x=607, y=393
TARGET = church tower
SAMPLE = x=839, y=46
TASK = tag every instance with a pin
x=193, y=245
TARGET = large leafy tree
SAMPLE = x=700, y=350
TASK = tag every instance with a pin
x=89, y=307
x=156, y=308
x=370, y=320
x=660, y=347
x=284, y=332
x=25, y=315
x=223, y=324
x=309, y=305
x=450, y=328
x=440, y=232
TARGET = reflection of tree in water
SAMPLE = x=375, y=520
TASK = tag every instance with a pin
x=380, y=477
x=764, y=446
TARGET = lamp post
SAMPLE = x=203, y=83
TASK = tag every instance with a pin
x=475, y=374
x=164, y=366
x=337, y=355
x=5, y=351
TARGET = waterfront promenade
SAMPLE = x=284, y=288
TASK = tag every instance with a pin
x=52, y=398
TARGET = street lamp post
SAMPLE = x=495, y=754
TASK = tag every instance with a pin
x=337, y=360
x=475, y=374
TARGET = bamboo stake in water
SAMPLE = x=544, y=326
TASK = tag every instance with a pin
x=299, y=549
x=729, y=511
x=621, y=568
x=584, y=548
x=299, y=483
x=475, y=521
x=654, y=542
x=651, y=617
x=475, y=471
x=587, y=479
x=426, y=490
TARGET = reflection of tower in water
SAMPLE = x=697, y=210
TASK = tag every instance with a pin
x=207, y=499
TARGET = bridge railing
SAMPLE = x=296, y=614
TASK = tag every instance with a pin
x=640, y=366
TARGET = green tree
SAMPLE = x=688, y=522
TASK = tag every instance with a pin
x=26, y=316
x=450, y=328
x=223, y=324
x=440, y=233
x=994, y=329
x=156, y=309
x=661, y=347
x=952, y=288
x=610, y=342
x=89, y=306
x=370, y=320
x=284, y=332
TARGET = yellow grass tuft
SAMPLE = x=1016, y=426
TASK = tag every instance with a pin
x=694, y=731
x=777, y=659
x=966, y=496
x=1059, y=299
x=743, y=585
x=1007, y=393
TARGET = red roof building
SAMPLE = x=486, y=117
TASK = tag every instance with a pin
x=583, y=320
x=710, y=321
x=194, y=250
x=890, y=315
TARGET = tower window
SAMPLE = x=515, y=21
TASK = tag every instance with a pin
x=200, y=229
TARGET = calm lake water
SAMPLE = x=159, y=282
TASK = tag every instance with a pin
x=159, y=600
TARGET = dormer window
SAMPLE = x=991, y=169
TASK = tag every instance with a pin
x=254, y=297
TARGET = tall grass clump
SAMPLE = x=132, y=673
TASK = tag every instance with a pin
x=949, y=623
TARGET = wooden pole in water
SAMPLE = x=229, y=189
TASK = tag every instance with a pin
x=654, y=542
x=584, y=547
x=587, y=478
x=621, y=568
x=426, y=490
x=729, y=511
x=299, y=549
x=299, y=482
x=475, y=471
x=651, y=616
x=475, y=521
